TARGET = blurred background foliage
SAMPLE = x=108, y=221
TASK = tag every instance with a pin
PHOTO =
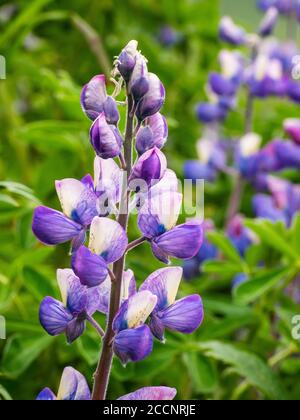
x=244, y=349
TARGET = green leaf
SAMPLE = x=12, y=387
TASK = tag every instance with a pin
x=248, y=365
x=252, y=289
x=19, y=189
x=4, y=395
x=225, y=327
x=202, y=372
x=20, y=351
x=296, y=233
x=221, y=267
x=39, y=285
x=271, y=234
x=225, y=245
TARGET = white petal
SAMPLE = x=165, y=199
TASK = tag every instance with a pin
x=64, y=279
x=140, y=307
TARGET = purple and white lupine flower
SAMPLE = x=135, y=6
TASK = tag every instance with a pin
x=73, y=387
x=168, y=36
x=69, y=316
x=292, y=128
x=105, y=138
x=149, y=169
x=153, y=100
x=184, y=315
x=79, y=205
x=138, y=84
x=211, y=112
x=157, y=219
x=211, y=160
x=231, y=33
x=127, y=60
x=108, y=242
x=154, y=133
x=269, y=22
x=107, y=183
x=95, y=101
x=162, y=393
x=133, y=340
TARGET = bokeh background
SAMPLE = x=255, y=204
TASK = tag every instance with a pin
x=52, y=48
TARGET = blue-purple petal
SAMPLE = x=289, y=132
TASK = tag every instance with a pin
x=133, y=344
x=52, y=227
x=54, y=317
x=90, y=268
x=159, y=393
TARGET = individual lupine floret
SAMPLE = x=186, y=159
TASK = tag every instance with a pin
x=69, y=316
x=79, y=206
x=107, y=244
x=154, y=133
x=95, y=101
x=153, y=99
x=230, y=32
x=133, y=340
x=73, y=386
x=184, y=315
x=105, y=138
x=157, y=219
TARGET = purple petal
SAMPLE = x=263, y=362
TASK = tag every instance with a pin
x=164, y=284
x=108, y=181
x=139, y=84
x=73, y=386
x=184, y=316
x=133, y=344
x=230, y=32
x=90, y=268
x=153, y=393
x=75, y=329
x=105, y=138
x=54, y=317
x=74, y=294
x=93, y=97
x=52, y=227
x=150, y=167
x=127, y=59
x=182, y=242
x=111, y=111
x=88, y=181
x=292, y=128
x=46, y=395
x=153, y=100
x=107, y=239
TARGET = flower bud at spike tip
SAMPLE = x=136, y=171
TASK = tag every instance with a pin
x=105, y=138
x=139, y=83
x=127, y=60
x=154, y=99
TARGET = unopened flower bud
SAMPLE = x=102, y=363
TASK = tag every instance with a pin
x=127, y=60
x=153, y=100
x=154, y=133
x=105, y=138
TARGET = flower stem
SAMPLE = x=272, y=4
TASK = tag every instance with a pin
x=135, y=243
x=95, y=325
x=102, y=374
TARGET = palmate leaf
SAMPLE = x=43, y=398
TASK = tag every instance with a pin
x=249, y=366
x=224, y=244
x=202, y=372
x=19, y=189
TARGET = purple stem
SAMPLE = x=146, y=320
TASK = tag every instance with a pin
x=95, y=325
x=102, y=374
